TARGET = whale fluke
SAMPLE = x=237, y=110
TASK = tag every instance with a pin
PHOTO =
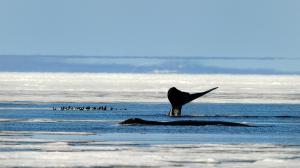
x=179, y=98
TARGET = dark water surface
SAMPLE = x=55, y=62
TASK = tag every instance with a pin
x=277, y=123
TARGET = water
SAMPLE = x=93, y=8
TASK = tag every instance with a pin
x=32, y=133
x=276, y=123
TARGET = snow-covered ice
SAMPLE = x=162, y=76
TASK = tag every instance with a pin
x=102, y=87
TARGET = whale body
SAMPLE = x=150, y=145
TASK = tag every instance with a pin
x=138, y=121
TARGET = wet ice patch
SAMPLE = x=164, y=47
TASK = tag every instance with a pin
x=19, y=152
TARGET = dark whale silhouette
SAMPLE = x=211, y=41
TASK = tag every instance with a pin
x=138, y=121
x=179, y=98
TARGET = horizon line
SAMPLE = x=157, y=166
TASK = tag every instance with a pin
x=154, y=57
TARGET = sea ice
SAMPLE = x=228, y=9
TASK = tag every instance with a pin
x=102, y=87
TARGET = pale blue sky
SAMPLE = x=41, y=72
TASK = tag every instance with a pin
x=212, y=28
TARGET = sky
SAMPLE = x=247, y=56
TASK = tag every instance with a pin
x=213, y=28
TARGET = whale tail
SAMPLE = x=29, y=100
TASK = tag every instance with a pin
x=178, y=98
x=197, y=95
